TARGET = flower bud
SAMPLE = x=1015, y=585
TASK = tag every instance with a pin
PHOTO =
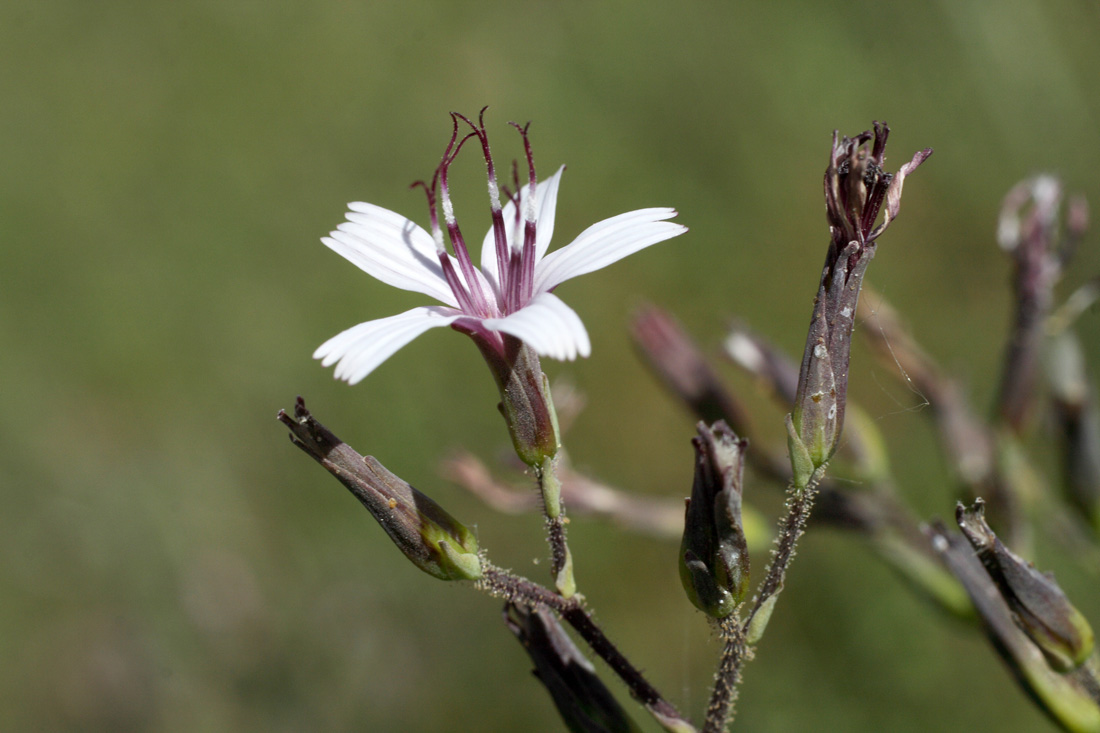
x=1038, y=604
x=431, y=538
x=714, y=557
x=1069, y=699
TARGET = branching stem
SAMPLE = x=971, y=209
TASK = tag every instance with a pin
x=740, y=637
x=519, y=590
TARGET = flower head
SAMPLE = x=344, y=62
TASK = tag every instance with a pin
x=510, y=294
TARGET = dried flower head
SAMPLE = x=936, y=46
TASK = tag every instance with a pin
x=857, y=188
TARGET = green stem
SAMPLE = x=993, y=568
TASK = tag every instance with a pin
x=561, y=560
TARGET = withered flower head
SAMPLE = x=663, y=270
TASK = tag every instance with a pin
x=1040, y=607
x=432, y=539
x=857, y=185
x=857, y=188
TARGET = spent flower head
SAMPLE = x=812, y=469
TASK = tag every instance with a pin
x=1038, y=604
x=1071, y=698
x=510, y=294
x=857, y=189
x=431, y=538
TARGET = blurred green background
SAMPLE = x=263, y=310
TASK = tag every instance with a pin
x=169, y=562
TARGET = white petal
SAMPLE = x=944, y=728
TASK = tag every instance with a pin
x=604, y=243
x=548, y=325
x=546, y=202
x=391, y=248
x=362, y=348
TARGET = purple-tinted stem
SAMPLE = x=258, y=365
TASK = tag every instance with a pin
x=727, y=679
x=519, y=590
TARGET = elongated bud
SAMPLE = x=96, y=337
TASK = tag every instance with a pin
x=714, y=557
x=1039, y=605
x=1070, y=699
x=675, y=358
x=432, y=539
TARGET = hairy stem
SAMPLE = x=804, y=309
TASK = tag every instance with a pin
x=735, y=653
x=518, y=590
x=561, y=560
x=791, y=529
x=740, y=637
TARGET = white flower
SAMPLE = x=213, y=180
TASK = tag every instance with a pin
x=511, y=293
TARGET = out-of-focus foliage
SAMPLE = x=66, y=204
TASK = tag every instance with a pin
x=168, y=561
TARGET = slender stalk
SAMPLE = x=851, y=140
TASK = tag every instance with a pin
x=740, y=637
x=521, y=591
x=561, y=560
x=735, y=653
x=528, y=410
x=793, y=526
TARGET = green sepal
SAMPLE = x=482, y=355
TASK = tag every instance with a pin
x=802, y=466
x=759, y=622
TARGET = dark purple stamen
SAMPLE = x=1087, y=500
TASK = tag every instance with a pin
x=526, y=284
x=474, y=296
x=515, y=264
x=449, y=274
x=500, y=239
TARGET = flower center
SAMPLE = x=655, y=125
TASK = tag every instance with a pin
x=515, y=262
